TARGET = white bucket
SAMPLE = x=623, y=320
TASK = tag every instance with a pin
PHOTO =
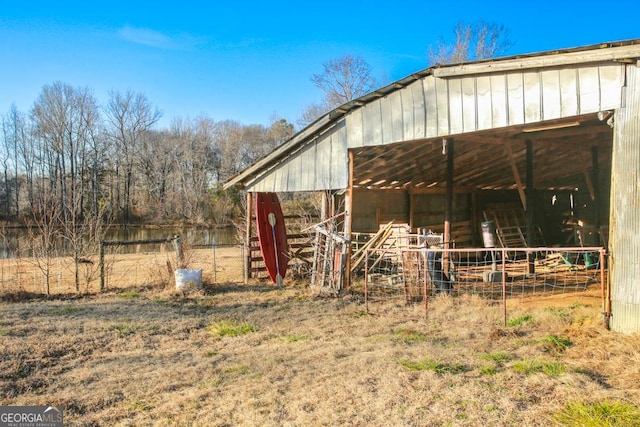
x=187, y=280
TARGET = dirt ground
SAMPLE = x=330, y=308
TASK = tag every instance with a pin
x=235, y=354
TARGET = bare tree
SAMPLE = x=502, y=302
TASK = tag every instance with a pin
x=129, y=116
x=475, y=41
x=344, y=79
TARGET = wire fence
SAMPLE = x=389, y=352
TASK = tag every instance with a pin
x=413, y=276
x=140, y=265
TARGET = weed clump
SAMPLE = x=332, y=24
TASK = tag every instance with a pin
x=225, y=328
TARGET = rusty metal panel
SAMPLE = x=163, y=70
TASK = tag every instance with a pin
x=407, y=113
x=442, y=103
x=469, y=111
x=498, y=100
x=550, y=94
x=355, y=134
x=515, y=99
x=456, y=113
x=483, y=93
x=624, y=236
x=431, y=106
x=397, y=126
x=532, y=97
x=372, y=124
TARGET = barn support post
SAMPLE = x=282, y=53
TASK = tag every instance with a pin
x=247, y=241
x=448, y=147
x=530, y=207
x=595, y=178
x=348, y=211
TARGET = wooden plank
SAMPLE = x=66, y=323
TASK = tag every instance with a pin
x=516, y=173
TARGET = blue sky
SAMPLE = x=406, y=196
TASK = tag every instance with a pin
x=248, y=60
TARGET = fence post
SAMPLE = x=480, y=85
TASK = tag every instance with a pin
x=504, y=285
x=178, y=245
x=101, y=263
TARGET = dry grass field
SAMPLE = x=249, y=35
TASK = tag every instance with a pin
x=245, y=355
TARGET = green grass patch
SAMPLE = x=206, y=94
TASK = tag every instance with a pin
x=432, y=365
x=534, y=366
x=225, y=328
x=295, y=338
x=66, y=310
x=125, y=329
x=4, y=332
x=599, y=414
x=129, y=295
x=556, y=343
x=498, y=357
x=136, y=404
x=488, y=370
x=409, y=336
x=520, y=320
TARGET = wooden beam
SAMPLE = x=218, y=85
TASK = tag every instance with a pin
x=348, y=220
x=247, y=243
x=516, y=174
x=530, y=207
x=448, y=145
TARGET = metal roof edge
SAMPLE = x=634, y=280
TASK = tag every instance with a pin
x=280, y=151
x=612, y=51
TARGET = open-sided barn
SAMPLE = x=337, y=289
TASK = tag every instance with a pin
x=549, y=133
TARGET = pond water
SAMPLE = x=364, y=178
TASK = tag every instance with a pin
x=16, y=242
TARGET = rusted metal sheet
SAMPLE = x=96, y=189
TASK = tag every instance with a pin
x=624, y=236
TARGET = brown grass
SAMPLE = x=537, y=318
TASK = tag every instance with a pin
x=143, y=355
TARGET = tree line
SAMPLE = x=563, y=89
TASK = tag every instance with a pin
x=85, y=160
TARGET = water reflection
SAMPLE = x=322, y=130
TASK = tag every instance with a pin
x=17, y=242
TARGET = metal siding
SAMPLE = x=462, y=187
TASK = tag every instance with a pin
x=372, y=124
x=339, y=159
x=386, y=119
x=515, y=99
x=532, y=96
x=419, y=119
x=550, y=94
x=499, y=116
x=354, y=128
x=483, y=94
x=324, y=159
x=589, y=89
x=442, y=103
x=296, y=172
x=611, y=81
x=431, y=106
x=456, y=112
x=568, y=92
x=625, y=211
x=306, y=175
x=407, y=113
x=469, y=111
x=395, y=102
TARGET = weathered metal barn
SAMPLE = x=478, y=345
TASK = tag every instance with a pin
x=549, y=131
